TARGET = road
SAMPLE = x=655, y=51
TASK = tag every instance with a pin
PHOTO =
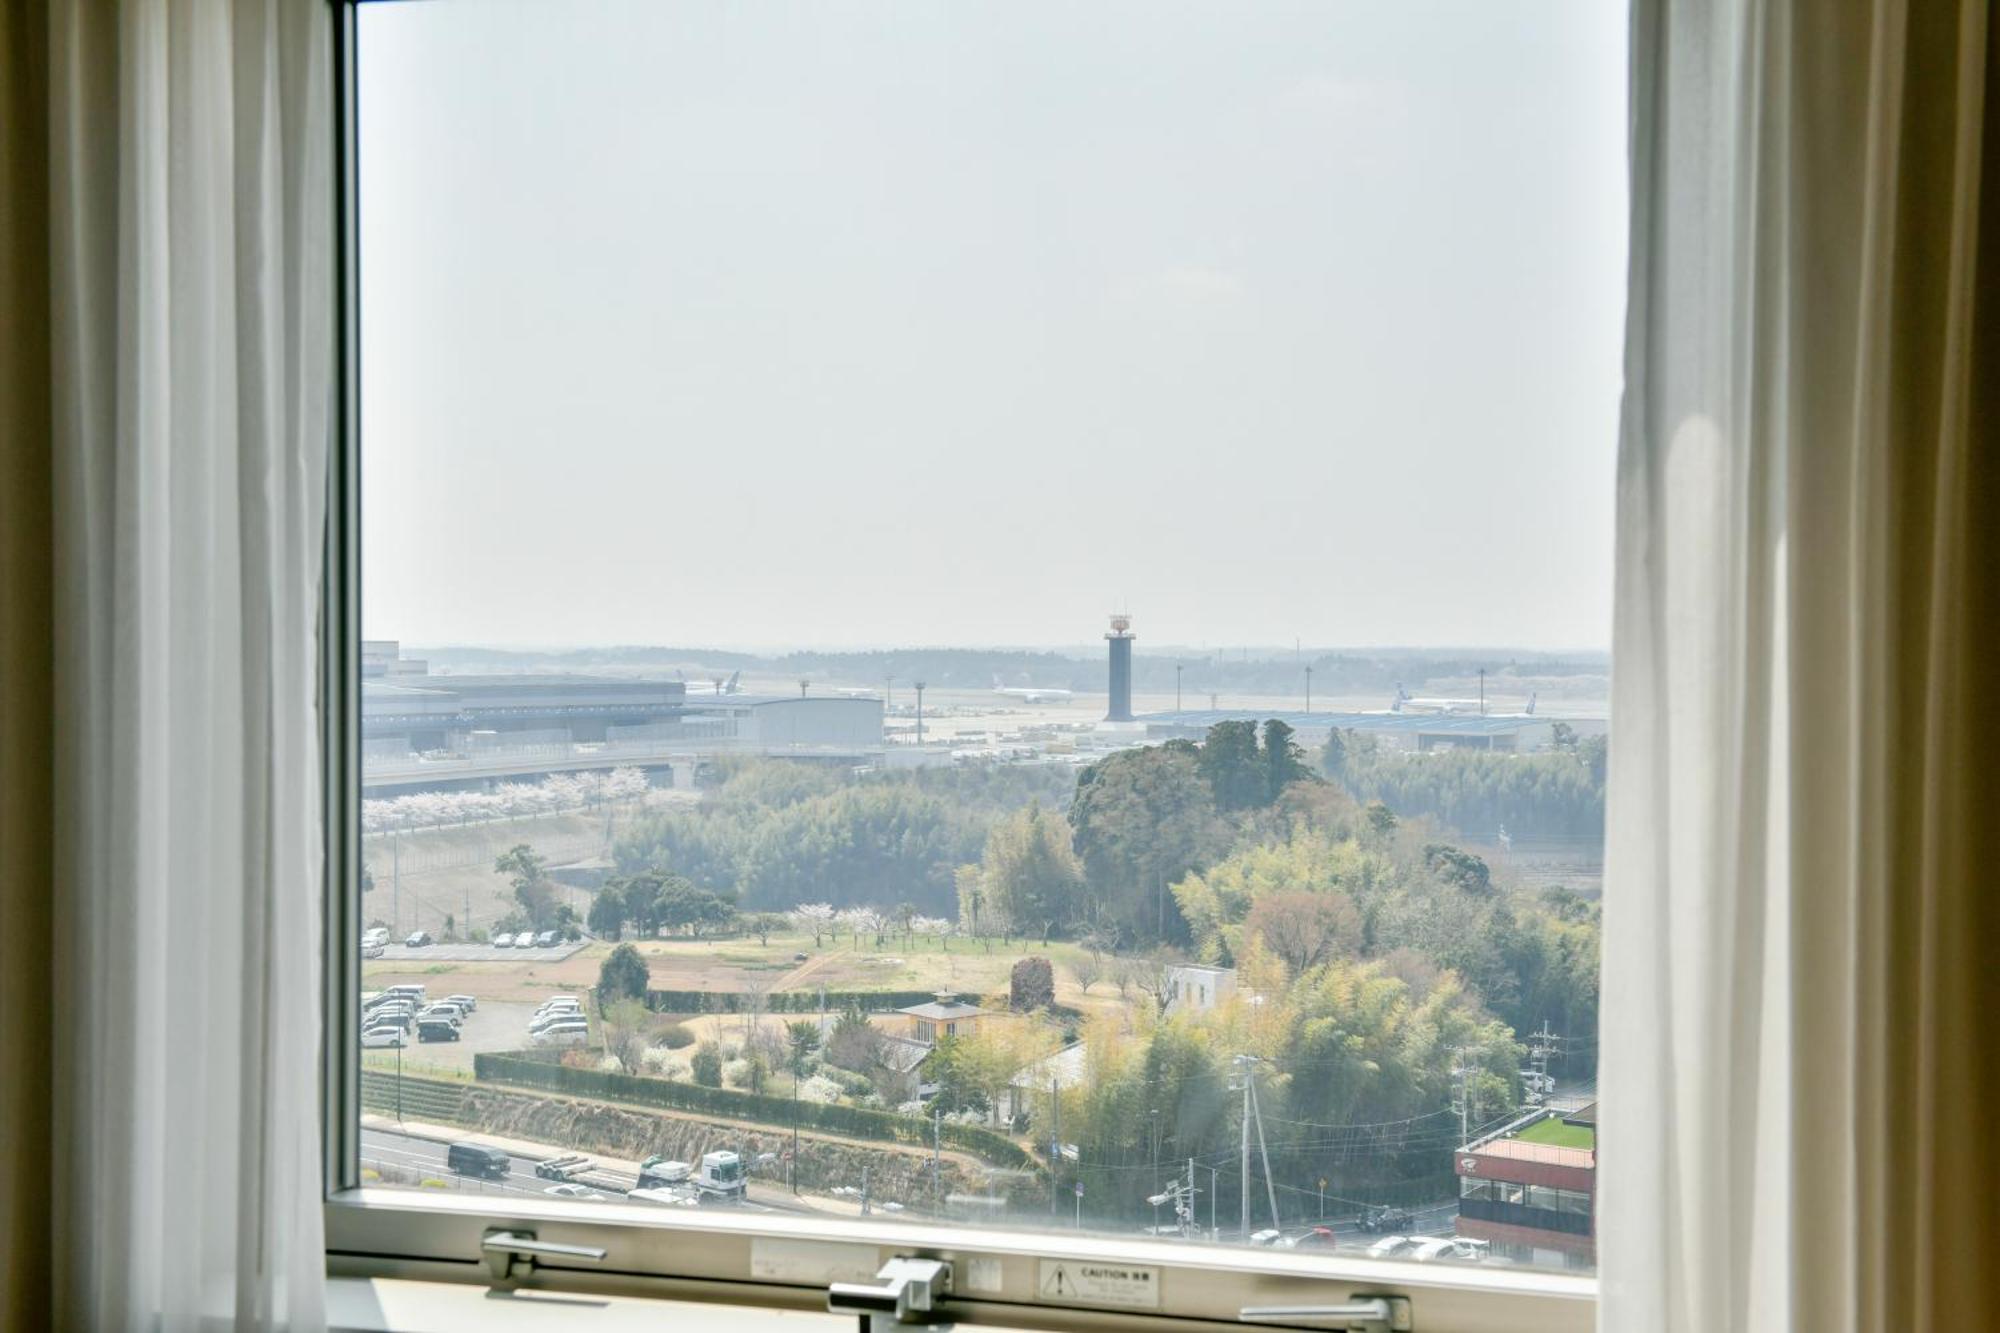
x=425, y=1158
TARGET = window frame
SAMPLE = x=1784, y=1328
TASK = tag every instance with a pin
x=665, y=1253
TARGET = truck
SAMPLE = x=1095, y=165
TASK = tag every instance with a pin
x=721, y=1178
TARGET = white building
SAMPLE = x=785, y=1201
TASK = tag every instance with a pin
x=1197, y=986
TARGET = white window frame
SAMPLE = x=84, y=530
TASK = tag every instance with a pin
x=733, y=1258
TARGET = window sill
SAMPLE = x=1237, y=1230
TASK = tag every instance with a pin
x=402, y=1305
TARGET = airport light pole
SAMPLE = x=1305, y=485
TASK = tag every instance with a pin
x=1178, y=667
x=920, y=713
x=1309, y=687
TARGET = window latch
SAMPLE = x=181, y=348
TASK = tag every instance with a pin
x=905, y=1291
x=1359, y=1314
x=510, y=1255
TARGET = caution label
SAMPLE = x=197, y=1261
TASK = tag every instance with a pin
x=1080, y=1282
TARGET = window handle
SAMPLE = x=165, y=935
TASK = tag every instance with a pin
x=903, y=1291
x=510, y=1255
x=1362, y=1314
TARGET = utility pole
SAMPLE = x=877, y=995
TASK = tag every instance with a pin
x=1270, y=1185
x=1187, y=1218
x=920, y=714
x=1309, y=687
x=396, y=880
x=864, y=1189
x=1178, y=666
x=937, y=1152
x=1055, y=1141
x=1482, y=691
x=1243, y=1191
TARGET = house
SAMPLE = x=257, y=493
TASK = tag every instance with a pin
x=944, y=1015
x=1029, y=1088
x=1197, y=986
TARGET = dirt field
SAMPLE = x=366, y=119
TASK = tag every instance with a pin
x=973, y=968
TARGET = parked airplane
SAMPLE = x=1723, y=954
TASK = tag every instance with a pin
x=717, y=686
x=1031, y=694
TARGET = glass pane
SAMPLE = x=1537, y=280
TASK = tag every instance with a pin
x=973, y=605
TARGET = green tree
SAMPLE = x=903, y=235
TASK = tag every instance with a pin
x=1233, y=764
x=624, y=975
x=1142, y=819
x=532, y=887
x=1284, y=761
x=802, y=1035
x=706, y=1065
x=1333, y=758
x=1381, y=819
x=956, y=1076
x=607, y=912
x=1031, y=874
x=761, y=924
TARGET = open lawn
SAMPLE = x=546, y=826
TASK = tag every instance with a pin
x=1558, y=1135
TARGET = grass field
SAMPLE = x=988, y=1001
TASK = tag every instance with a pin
x=1558, y=1135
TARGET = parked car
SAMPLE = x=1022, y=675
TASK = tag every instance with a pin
x=540, y=1022
x=399, y=1019
x=465, y=1002
x=382, y=1034
x=548, y=939
x=376, y=935
x=373, y=949
x=504, y=940
x=798, y=958
x=437, y=1029
x=420, y=940
x=476, y=1159
x=412, y=990
x=562, y=1034
x=447, y=1013
x=1389, y=1247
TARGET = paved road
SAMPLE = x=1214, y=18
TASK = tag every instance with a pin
x=426, y=1159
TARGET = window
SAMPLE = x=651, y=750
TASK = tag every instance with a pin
x=871, y=525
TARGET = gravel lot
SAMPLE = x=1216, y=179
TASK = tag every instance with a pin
x=495, y=1025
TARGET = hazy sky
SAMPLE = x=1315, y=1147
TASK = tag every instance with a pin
x=757, y=324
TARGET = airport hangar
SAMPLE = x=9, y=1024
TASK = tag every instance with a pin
x=1511, y=733
x=432, y=733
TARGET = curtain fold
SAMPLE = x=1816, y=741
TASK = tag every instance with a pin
x=1795, y=910
x=191, y=212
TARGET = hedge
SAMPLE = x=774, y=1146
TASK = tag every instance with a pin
x=784, y=1001
x=852, y=1121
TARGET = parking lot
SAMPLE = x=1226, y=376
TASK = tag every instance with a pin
x=476, y=953
x=496, y=1025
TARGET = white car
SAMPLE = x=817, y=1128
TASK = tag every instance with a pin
x=420, y=940
x=465, y=1002
x=449, y=1013
x=382, y=1035
x=562, y=1034
x=541, y=1023
x=373, y=949
x=376, y=935
x=503, y=941
x=572, y=1192
x=1389, y=1247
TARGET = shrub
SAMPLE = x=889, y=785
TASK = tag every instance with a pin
x=707, y=1065
x=673, y=1036
x=1032, y=986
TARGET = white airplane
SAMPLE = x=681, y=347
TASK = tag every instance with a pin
x=717, y=686
x=1031, y=694
x=857, y=692
x=1405, y=704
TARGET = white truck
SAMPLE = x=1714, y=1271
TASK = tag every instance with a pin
x=720, y=1178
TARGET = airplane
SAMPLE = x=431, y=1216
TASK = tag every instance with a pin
x=718, y=686
x=1030, y=694
x=1405, y=704
x=858, y=692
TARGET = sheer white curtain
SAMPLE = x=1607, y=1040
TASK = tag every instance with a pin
x=192, y=231
x=1793, y=907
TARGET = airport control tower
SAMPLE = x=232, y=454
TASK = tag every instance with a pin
x=1120, y=639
